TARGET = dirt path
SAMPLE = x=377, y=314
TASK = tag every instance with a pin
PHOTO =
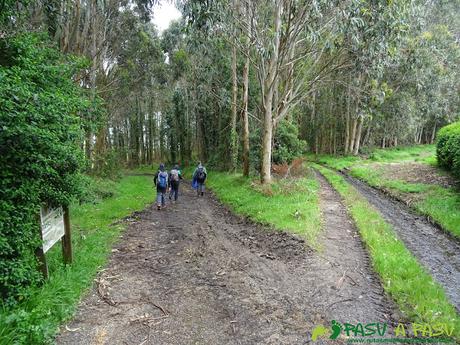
x=196, y=274
x=438, y=252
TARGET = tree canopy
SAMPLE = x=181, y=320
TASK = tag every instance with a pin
x=92, y=86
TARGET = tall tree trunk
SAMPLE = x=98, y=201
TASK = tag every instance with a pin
x=245, y=115
x=354, y=123
x=433, y=133
x=233, y=135
x=358, y=136
x=419, y=140
x=368, y=134
x=314, y=126
x=141, y=134
x=233, y=118
x=269, y=85
x=335, y=139
x=128, y=141
x=267, y=140
x=89, y=134
x=347, y=122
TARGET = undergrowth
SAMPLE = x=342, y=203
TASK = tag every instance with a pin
x=36, y=320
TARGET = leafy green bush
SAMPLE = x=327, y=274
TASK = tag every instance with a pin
x=448, y=147
x=40, y=153
x=286, y=144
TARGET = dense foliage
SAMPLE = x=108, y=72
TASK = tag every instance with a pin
x=360, y=74
x=286, y=145
x=232, y=81
x=448, y=147
x=40, y=156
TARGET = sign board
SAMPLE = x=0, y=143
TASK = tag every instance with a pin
x=52, y=226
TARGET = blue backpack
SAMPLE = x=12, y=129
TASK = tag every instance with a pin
x=162, y=179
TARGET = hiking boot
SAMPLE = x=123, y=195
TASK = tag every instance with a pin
x=202, y=193
x=158, y=207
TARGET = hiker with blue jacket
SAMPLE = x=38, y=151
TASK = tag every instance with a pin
x=199, y=178
x=175, y=176
x=161, y=181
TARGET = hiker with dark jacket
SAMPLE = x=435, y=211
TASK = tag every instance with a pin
x=161, y=182
x=175, y=176
x=199, y=178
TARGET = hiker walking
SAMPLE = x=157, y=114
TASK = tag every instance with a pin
x=199, y=177
x=161, y=181
x=175, y=176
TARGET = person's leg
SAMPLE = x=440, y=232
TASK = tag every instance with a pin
x=163, y=198
x=202, y=189
x=158, y=199
x=176, y=192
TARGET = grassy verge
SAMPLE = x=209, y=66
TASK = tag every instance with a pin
x=418, y=296
x=438, y=203
x=291, y=205
x=422, y=153
x=36, y=320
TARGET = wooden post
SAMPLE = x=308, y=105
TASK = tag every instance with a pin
x=67, y=239
x=40, y=254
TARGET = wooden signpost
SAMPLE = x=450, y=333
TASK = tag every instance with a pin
x=54, y=226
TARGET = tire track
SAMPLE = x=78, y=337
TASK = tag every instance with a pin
x=437, y=251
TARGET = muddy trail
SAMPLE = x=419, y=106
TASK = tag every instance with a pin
x=436, y=250
x=194, y=273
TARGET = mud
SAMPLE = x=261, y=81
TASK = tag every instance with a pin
x=437, y=251
x=416, y=173
x=194, y=273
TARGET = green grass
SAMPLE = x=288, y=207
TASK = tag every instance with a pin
x=438, y=203
x=36, y=320
x=418, y=296
x=145, y=169
x=419, y=153
x=291, y=205
x=422, y=153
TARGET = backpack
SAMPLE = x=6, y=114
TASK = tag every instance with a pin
x=174, y=175
x=162, y=179
x=200, y=174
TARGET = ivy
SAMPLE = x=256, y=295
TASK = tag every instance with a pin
x=40, y=155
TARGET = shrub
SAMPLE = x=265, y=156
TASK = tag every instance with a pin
x=40, y=155
x=448, y=148
x=286, y=145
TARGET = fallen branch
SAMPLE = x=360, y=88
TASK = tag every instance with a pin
x=341, y=301
x=159, y=307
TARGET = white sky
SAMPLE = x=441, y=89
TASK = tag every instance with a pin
x=163, y=14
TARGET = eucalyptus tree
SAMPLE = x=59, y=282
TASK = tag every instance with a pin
x=295, y=51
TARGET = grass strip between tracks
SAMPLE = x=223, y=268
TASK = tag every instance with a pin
x=285, y=204
x=418, y=296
